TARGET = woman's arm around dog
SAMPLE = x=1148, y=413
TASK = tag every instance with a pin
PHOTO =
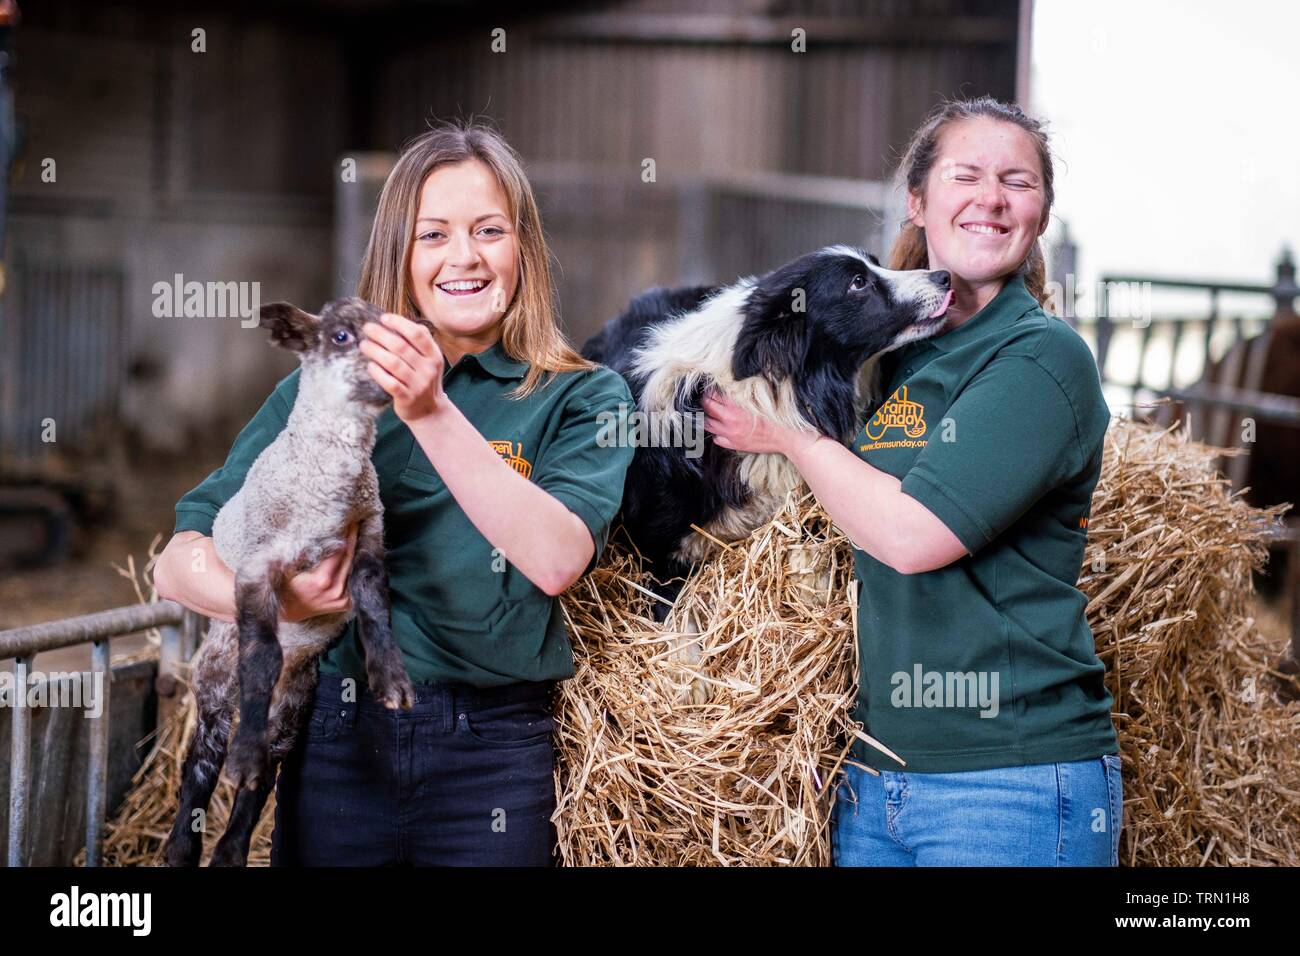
x=867, y=504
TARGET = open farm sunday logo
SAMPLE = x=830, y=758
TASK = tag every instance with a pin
x=898, y=412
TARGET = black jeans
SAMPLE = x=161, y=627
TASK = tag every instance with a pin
x=464, y=778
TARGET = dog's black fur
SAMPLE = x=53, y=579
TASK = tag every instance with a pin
x=664, y=490
x=851, y=313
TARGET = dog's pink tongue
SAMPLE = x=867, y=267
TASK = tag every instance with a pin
x=943, y=306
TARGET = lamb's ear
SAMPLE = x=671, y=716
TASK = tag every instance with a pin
x=291, y=328
x=773, y=338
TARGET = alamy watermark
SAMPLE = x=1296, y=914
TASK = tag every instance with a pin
x=133, y=911
x=1124, y=301
x=653, y=429
x=922, y=688
x=179, y=299
x=79, y=690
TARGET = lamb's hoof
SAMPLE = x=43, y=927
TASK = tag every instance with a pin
x=227, y=856
x=183, y=851
x=394, y=691
x=247, y=764
x=1288, y=687
x=401, y=697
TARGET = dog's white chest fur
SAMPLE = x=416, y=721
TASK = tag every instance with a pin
x=681, y=354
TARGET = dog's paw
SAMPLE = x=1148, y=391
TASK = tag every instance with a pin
x=687, y=653
x=247, y=764
x=698, y=692
x=809, y=574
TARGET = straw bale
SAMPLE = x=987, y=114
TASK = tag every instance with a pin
x=647, y=778
x=726, y=754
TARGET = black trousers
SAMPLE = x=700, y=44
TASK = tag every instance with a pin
x=464, y=778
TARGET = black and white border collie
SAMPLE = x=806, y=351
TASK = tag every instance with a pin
x=790, y=346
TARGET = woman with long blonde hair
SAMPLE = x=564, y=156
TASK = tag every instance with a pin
x=498, y=495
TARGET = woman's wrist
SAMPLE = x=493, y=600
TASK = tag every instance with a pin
x=437, y=422
x=194, y=576
x=797, y=445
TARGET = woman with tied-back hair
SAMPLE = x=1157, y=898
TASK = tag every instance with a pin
x=978, y=667
x=497, y=496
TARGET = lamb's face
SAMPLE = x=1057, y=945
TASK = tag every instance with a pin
x=340, y=339
x=329, y=343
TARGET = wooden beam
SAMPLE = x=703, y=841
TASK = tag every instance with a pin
x=753, y=29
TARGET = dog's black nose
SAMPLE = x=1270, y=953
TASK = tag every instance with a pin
x=942, y=278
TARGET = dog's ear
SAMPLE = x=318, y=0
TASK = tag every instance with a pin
x=773, y=339
x=291, y=328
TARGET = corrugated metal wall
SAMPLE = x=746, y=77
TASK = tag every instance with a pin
x=62, y=372
x=713, y=93
x=216, y=165
x=221, y=165
x=614, y=88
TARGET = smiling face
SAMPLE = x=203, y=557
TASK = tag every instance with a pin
x=464, y=257
x=984, y=201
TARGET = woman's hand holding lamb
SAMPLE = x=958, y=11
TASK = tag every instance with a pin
x=322, y=589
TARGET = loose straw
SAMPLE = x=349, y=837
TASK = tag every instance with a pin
x=746, y=777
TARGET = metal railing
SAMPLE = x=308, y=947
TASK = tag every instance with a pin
x=615, y=235
x=180, y=629
x=1231, y=349
x=1224, y=389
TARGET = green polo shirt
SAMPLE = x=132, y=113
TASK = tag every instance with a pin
x=996, y=427
x=460, y=612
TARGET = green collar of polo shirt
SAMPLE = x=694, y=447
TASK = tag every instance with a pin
x=1011, y=302
x=495, y=361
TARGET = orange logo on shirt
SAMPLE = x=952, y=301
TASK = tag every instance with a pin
x=513, y=453
x=898, y=412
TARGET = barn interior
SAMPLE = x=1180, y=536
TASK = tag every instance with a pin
x=242, y=144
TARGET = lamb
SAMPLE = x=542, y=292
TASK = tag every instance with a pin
x=300, y=497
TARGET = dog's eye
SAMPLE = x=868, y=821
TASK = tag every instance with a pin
x=342, y=337
x=858, y=284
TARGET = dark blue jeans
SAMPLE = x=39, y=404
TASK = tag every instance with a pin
x=464, y=778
